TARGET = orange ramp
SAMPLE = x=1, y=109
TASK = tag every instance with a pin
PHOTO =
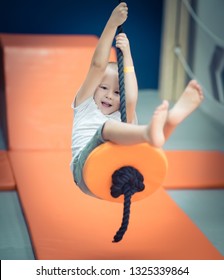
x=42, y=75
x=64, y=223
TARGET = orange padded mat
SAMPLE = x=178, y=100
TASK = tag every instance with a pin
x=7, y=181
x=195, y=169
x=42, y=75
x=64, y=223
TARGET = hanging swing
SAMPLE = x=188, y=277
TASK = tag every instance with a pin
x=135, y=171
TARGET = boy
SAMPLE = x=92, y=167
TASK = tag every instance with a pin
x=97, y=116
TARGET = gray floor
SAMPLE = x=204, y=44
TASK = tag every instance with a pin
x=14, y=238
x=204, y=207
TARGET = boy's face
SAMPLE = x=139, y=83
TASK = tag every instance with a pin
x=107, y=96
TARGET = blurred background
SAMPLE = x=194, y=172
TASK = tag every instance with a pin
x=172, y=41
x=143, y=26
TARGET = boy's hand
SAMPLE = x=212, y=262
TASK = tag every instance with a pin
x=119, y=14
x=122, y=43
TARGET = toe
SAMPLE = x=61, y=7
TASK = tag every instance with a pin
x=166, y=103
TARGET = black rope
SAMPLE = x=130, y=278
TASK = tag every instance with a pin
x=127, y=181
x=121, y=85
x=121, y=78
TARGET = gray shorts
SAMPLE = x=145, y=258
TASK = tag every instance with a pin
x=81, y=159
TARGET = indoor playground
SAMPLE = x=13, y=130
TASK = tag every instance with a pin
x=45, y=53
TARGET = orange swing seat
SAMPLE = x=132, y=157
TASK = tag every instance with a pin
x=104, y=160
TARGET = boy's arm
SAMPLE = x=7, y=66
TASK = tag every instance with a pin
x=130, y=80
x=101, y=55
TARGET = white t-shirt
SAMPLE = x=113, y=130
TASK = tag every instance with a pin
x=87, y=119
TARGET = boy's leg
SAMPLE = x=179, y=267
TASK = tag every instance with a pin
x=130, y=134
x=162, y=124
x=190, y=99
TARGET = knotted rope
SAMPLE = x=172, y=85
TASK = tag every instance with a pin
x=127, y=180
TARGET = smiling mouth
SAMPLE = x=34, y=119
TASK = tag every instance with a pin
x=105, y=104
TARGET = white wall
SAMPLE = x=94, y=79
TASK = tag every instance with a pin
x=211, y=13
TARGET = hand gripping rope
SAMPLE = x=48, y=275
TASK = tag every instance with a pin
x=121, y=167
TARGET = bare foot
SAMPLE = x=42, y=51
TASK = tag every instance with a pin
x=155, y=128
x=190, y=99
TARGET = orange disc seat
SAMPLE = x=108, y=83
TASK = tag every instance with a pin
x=107, y=158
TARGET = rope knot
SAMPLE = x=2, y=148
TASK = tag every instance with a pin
x=127, y=181
x=126, y=177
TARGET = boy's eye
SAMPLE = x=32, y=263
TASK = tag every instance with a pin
x=103, y=87
x=117, y=92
